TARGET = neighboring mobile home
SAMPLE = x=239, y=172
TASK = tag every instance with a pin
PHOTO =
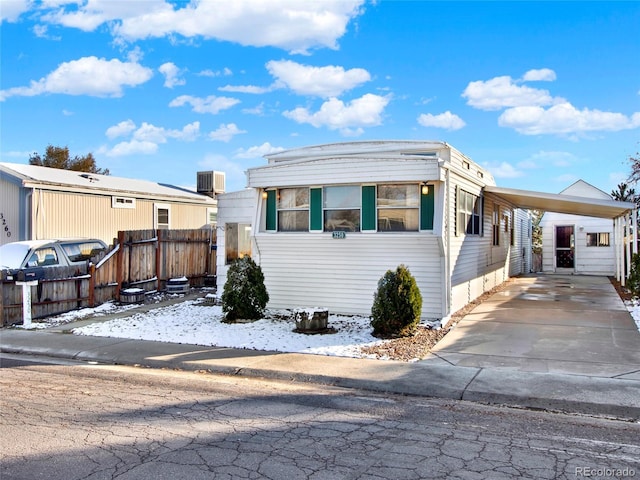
x=577, y=243
x=40, y=203
x=326, y=222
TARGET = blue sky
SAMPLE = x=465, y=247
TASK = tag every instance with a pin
x=540, y=93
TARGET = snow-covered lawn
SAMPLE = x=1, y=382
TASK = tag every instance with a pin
x=196, y=322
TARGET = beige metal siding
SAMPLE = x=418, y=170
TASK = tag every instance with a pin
x=61, y=214
x=9, y=211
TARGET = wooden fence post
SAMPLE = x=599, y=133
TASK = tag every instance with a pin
x=92, y=286
x=119, y=264
x=158, y=256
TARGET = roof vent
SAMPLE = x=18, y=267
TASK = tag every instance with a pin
x=89, y=177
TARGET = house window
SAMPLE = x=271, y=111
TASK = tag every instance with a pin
x=162, y=216
x=123, y=202
x=212, y=216
x=293, y=209
x=237, y=241
x=598, y=239
x=495, y=223
x=469, y=213
x=398, y=208
x=341, y=207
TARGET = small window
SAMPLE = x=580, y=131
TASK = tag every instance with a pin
x=212, y=216
x=123, y=202
x=495, y=223
x=469, y=213
x=237, y=241
x=398, y=208
x=342, y=208
x=162, y=216
x=598, y=239
x=293, y=209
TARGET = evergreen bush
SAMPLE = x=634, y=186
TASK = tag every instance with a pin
x=633, y=282
x=245, y=295
x=397, y=304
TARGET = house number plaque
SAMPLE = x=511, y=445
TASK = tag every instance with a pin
x=339, y=235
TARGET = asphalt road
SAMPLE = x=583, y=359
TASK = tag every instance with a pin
x=75, y=421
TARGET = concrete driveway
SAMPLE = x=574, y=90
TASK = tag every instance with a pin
x=548, y=323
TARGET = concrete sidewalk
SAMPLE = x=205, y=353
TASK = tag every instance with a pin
x=445, y=374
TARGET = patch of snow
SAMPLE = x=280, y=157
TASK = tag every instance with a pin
x=634, y=309
x=193, y=322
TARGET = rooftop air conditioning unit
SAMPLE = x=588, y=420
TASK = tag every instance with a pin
x=211, y=183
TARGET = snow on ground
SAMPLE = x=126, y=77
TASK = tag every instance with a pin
x=195, y=322
x=634, y=310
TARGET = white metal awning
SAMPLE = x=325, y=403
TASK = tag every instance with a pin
x=550, y=202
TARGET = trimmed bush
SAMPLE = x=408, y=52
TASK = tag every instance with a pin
x=245, y=295
x=397, y=305
x=633, y=282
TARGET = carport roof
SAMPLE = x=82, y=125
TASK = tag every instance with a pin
x=552, y=202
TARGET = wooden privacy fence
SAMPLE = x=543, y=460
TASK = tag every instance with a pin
x=144, y=259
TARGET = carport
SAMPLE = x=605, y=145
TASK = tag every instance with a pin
x=623, y=215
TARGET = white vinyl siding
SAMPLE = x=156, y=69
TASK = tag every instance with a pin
x=337, y=171
x=344, y=272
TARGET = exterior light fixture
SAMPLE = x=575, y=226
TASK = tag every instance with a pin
x=425, y=189
x=264, y=194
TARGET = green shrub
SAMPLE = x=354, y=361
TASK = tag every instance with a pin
x=397, y=304
x=245, y=295
x=633, y=282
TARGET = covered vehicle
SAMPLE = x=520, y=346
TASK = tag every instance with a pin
x=26, y=260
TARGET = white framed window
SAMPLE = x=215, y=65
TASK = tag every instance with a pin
x=469, y=213
x=341, y=206
x=293, y=209
x=237, y=241
x=123, y=202
x=162, y=216
x=212, y=216
x=598, y=239
x=398, y=208
x=495, y=223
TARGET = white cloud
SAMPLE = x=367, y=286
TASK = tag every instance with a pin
x=150, y=133
x=544, y=158
x=12, y=9
x=504, y=170
x=501, y=92
x=257, y=110
x=334, y=114
x=540, y=75
x=257, y=151
x=325, y=82
x=225, y=133
x=210, y=104
x=446, y=120
x=288, y=24
x=567, y=178
x=86, y=76
x=171, y=75
x=134, y=147
x=564, y=118
x=245, y=89
x=122, y=129
x=146, y=139
x=210, y=73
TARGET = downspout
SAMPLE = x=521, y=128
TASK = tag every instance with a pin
x=446, y=226
x=27, y=230
x=255, y=228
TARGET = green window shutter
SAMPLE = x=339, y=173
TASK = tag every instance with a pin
x=427, y=209
x=271, y=210
x=369, y=207
x=315, y=209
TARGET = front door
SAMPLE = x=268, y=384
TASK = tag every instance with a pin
x=565, y=247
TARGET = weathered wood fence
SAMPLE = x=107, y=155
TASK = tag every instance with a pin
x=144, y=259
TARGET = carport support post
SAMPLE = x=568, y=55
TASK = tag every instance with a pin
x=627, y=247
x=26, y=301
